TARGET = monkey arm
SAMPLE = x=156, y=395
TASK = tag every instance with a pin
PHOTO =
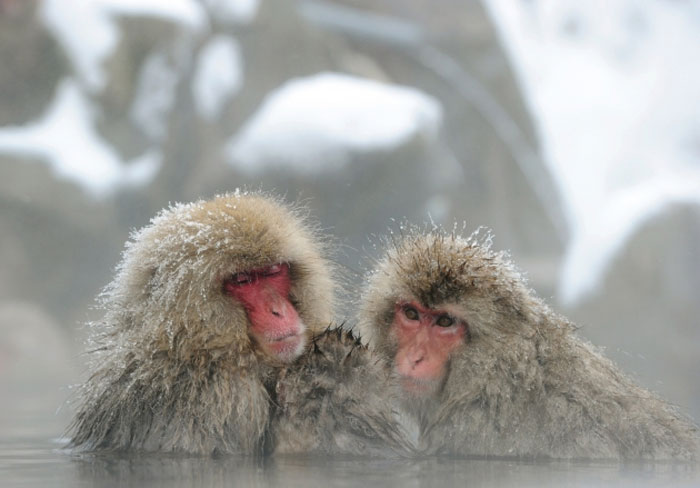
x=338, y=398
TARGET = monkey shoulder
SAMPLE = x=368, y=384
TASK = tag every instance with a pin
x=159, y=404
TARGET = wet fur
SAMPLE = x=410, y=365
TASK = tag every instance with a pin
x=337, y=399
x=173, y=367
x=523, y=384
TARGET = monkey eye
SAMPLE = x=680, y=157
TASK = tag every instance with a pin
x=445, y=321
x=272, y=270
x=242, y=278
x=411, y=313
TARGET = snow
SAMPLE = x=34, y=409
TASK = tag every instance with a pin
x=613, y=91
x=88, y=33
x=218, y=76
x=313, y=124
x=155, y=96
x=65, y=138
x=234, y=11
x=625, y=212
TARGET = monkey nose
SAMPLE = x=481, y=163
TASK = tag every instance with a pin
x=279, y=309
x=277, y=306
x=417, y=357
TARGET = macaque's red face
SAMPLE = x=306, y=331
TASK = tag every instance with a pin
x=274, y=322
x=425, y=337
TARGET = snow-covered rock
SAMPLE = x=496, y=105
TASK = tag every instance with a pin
x=614, y=96
x=155, y=96
x=87, y=31
x=218, y=76
x=312, y=125
x=66, y=139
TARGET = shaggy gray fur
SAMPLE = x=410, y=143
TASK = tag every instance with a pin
x=173, y=367
x=523, y=383
x=338, y=398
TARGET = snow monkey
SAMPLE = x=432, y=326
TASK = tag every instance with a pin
x=209, y=301
x=488, y=369
x=199, y=348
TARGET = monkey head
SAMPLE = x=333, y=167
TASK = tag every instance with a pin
x=430, y=298
x=237, y=274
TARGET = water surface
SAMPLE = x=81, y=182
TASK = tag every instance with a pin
x=31, y=455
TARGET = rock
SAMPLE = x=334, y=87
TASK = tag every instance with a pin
x=646, y=312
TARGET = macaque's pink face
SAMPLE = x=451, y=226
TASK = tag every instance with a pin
x=425, y=337
x=274, y=322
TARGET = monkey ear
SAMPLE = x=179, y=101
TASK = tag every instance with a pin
x=136, y=285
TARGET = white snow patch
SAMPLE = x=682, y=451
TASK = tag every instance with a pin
x=66, y=139
x=141, y=170
x=87, y=31
x=234, y=11
x=592, y=249
x=218, y=76
x=155, y=96
x=613, y=90
x=313, y=124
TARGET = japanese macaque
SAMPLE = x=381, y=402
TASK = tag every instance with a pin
x=488, y=369
x=210, y=300
x=216, y=339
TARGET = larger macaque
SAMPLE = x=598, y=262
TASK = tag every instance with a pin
x=488, y=369
x=215, y=339
x=210, y=300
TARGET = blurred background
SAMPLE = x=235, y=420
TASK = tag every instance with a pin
x=571, y=129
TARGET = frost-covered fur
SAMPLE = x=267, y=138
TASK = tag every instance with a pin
x=523, y=384
x=338, y=399
x=173, y=367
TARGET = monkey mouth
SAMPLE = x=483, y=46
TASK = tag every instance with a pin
x=285, y=338
x=419, y=386
x=287, y=347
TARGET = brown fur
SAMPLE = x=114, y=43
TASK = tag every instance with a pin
x=523, y=383
x=174, y=368
x=337, y=399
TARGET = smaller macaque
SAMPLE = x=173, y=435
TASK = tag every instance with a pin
x=488, y=369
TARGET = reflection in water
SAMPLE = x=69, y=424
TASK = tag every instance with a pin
x=33, y=462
